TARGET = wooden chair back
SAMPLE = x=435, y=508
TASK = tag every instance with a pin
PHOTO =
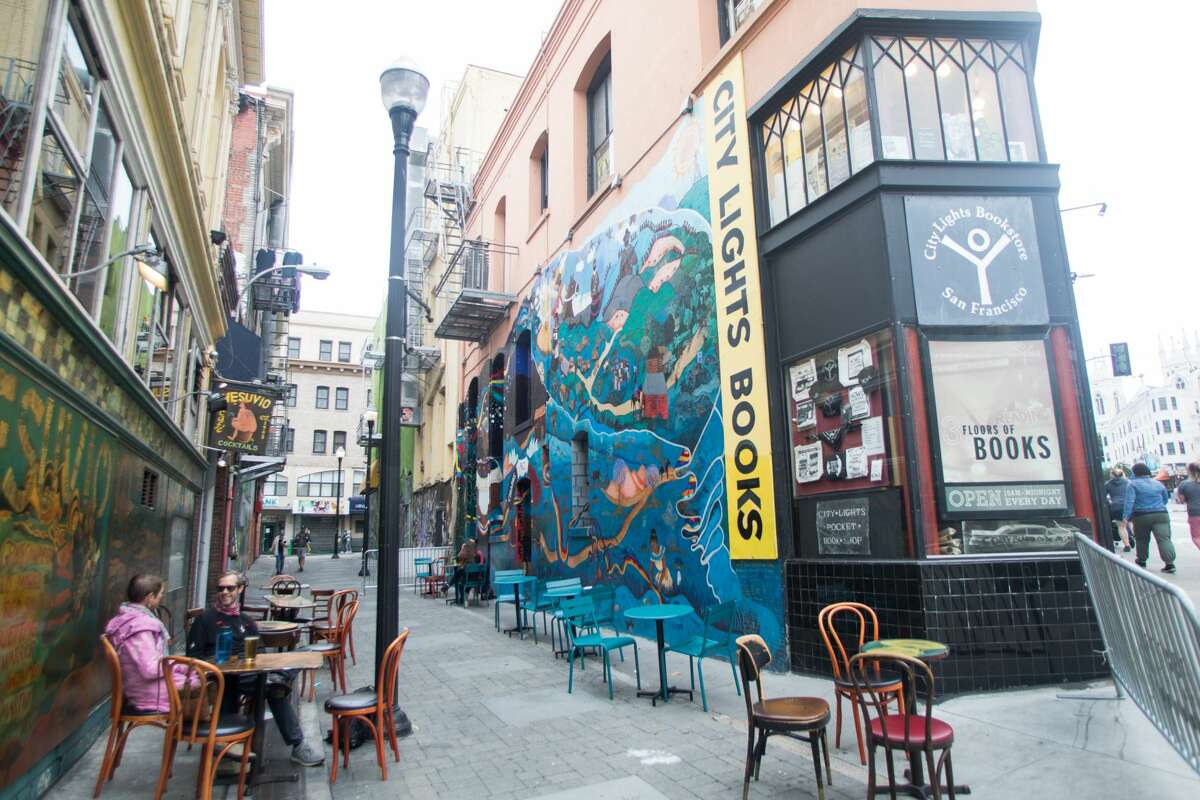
x=118, y=686
x=753, y=657
x=194, y=712
x=286, y=587
x=914, y=675
x=389, y=671
x=192, y=614
x=321, y=600
x=865, y=623
x=256, y=612
x=345, y=619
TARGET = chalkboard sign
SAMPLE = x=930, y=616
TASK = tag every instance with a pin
x=844, y=527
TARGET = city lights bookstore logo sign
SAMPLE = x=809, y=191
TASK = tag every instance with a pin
x=975, y=261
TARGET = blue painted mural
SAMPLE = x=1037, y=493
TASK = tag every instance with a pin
x=622, y=336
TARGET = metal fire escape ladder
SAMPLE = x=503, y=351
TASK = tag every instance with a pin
x=16, y=98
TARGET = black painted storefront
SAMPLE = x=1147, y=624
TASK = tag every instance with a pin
x=840, y=269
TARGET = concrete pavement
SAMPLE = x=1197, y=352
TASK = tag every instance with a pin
x=491, y=718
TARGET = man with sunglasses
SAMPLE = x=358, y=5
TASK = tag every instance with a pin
x=226, y=613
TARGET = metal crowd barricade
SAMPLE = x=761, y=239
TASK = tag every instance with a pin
x=372, y=573
x=408, y=555
x=1152, y=644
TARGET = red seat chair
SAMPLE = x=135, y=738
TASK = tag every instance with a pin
x=845, y=616
x=917, y=735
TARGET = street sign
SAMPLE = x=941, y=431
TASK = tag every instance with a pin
x=1120, y=359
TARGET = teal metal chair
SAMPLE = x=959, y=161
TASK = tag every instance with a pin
x=548, y=606
x=504, y=594
x=474, y=578
x=583, y=631
x=606, y=610
x=422, y=569
x=717, y=639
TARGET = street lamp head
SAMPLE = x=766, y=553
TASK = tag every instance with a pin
x=1100, y=211
x=403, y=85
x=370, y=416
x=320, y=273
x=340, y=453
x=152, y=268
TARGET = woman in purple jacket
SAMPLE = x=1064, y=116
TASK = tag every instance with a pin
x=140, y=639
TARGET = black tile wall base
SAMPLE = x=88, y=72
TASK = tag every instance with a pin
x=1010, y=622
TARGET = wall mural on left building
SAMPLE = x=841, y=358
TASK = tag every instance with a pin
x=622, y=479
x=72, y=532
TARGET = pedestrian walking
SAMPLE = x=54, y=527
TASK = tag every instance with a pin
x=1189, y=494
x=300, y=543
x=280, y=548
x=1115, y=489
x=1146, y=507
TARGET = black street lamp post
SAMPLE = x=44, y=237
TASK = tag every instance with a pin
x=369, y=417
x=337, y=530
x=403, y=89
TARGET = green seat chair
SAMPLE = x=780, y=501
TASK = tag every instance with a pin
x=583, y=631
x=717, y=639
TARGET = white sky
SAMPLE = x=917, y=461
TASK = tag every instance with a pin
x=1113, y=89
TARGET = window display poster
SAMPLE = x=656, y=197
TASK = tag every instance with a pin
x=808, y=462
x=872, y=435
x=853, y=360
x=802, y=376
x=997, y=426
x=844, y=527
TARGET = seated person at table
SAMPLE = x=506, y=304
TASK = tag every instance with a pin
x=467, y=554
x=140, y=639
x=226, y=612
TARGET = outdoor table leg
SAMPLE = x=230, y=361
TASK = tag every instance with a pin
x=518, y=627
x=256, y=775
x=664, y=691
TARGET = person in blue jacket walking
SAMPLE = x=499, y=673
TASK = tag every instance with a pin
x=1146, y=507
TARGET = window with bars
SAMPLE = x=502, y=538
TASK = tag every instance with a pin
x=149, y=488
x=818, y=138
x=318, y=484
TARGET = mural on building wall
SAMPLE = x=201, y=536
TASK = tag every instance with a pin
x=431, y=510
x=623, y=338
x=72, y=532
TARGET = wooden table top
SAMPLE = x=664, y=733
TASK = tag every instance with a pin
x=270, y=662
x=276, y=626
x=290, y=601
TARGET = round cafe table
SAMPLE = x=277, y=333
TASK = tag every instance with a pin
x=515, y=581
x=286, y=605
x=928, y=651
x=660, y=613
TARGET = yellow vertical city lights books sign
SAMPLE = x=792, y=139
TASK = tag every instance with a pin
x=749, y=482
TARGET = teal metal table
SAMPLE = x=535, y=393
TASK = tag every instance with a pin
x=660, y=613
x=516, y=582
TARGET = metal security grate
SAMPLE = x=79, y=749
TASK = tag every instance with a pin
x=149, y=488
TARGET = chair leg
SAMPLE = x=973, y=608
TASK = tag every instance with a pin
x=815, y=742
x=733, y=668
x=608, y=674
x=164, y=769
x=205, y=777
x=692, y=673
x=350, y=639
x=703, y=696
x=871, y=774
x=391, y=732
x=825, y=747
x=749, y=762
x=106, y=764
x=858, y=733
x=337, y=740
x=761, y=751
x=571, y=672
x=345, y=743
x=949, y=775
x=637, y=667
x=837, y=726
x=932, y=773
x=891, y=768
x=242, y=770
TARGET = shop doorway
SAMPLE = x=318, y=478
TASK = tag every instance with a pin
x=269, y=529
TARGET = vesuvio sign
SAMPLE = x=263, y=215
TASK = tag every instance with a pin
x=975, y=260
x=245, y=421
x=749, y=481
x=998, y=437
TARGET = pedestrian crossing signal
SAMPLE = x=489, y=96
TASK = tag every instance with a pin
x=1120, y=359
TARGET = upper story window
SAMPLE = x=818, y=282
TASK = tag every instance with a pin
x=344, y=352
x=599, y=122
x=339, y=441
x=322, y=397
x=733, y=14
x=341, y=398
x=934, y=99
x=543, y=163
x=293, y=347
x=291, y=395
x=326, y=353
x=319, y=442
x=275, y=485
x=318, y=484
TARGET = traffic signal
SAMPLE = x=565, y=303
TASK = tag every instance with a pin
x=1120, y=359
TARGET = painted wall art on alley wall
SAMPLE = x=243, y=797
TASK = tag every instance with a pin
x=621, y=334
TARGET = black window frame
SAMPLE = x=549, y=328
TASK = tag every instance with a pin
x=293, y=352
x=544, y=179
x=292, y=395
x=324, y=439
x=344, y=347
x=339, y=439
x=317, y=402
x=341, y=398
x=601, y=78
x=325, y=350
x=289, y=440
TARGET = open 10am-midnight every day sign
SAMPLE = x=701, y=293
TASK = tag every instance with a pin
x=998, y=435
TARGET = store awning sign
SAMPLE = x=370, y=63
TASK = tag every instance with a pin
x=975, y=260
x=749, y=481
x=998, y=434
x=245, y=421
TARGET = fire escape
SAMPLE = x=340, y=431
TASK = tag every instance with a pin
x=476, y=271
x=275, y=297
x=424, y=235
x=16, y=97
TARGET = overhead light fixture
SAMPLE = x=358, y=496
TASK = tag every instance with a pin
x=152, y=268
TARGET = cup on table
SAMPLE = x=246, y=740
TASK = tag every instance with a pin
x=250, y=648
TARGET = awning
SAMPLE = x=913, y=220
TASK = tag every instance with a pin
x=255, y=467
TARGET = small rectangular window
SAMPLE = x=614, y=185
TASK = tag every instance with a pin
x=341, y=399
x=291, y=395
x=344, y=352
x=319, y=441
x=544, y=178
x=149, y=488
x=293, y=347
x=1178, y=427
x=1181, y=450
x=326, y=353
x=289, y=441
x=322, y=397
x=1174, y=404
x=579, y=480
x=1170, y=448
x=599, y=122
x=339, y=440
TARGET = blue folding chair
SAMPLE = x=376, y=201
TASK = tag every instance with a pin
x=422, y=569
x=504, y=594
x=716, y=639
x=583, y=631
